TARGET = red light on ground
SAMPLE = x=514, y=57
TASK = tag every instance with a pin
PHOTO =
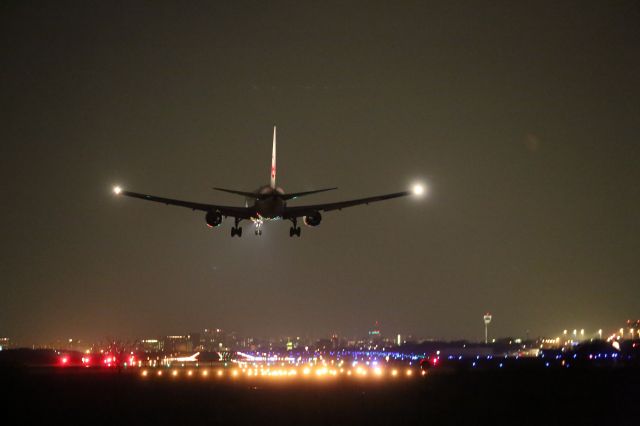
x=435, y=361
x=108, y=360
x=64, y=360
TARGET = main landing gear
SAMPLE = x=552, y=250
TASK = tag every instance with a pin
x=295, y=229
x=236, y=230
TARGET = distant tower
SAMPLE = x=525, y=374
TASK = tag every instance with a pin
x=374, y=335
x=487, y=320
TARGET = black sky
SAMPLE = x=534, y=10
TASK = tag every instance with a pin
x=524, y=119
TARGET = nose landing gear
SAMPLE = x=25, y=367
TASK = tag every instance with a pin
x=258, y=230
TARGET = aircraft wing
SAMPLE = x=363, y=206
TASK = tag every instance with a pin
x=233, y=211
x=299, y=211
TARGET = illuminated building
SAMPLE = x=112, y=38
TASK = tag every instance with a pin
x=176, y=344
x=324, y=344
x=193, y=340
x=374, y=335
x=633, y=329
x=151, y=345
x=5, y=343
x=335, y=341
x=214, y=339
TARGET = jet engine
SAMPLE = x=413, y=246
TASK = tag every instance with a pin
x=313, y=219
x=213, y=218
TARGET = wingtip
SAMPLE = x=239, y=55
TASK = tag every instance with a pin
x=419, y=189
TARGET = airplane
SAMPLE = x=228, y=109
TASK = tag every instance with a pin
x=269, y=202
x=192, y=358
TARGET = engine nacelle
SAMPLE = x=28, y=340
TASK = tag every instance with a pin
x=213, y=218
x=313, y=219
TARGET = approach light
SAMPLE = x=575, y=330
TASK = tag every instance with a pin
x=117, y=190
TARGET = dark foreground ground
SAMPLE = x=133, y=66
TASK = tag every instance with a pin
x=543, y=397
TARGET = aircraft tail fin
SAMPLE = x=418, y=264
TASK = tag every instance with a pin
x=273, y=160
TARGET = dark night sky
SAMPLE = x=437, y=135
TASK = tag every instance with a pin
x=524, y=119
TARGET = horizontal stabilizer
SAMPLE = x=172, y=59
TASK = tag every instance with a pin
x=294, y=195
x=243, y=193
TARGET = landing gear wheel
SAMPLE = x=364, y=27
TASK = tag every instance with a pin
x=236, y=230
x=295, y=229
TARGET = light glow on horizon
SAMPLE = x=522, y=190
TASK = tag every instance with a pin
x=319, y=372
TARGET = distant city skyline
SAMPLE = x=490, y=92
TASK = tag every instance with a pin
x=388, y=337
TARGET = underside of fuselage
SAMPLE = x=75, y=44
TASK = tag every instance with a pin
x=268, y=204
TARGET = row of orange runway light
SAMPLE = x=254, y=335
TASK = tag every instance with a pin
x=309, y=372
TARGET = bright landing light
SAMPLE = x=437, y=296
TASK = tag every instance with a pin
x=418, y=189
x=117, y=190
